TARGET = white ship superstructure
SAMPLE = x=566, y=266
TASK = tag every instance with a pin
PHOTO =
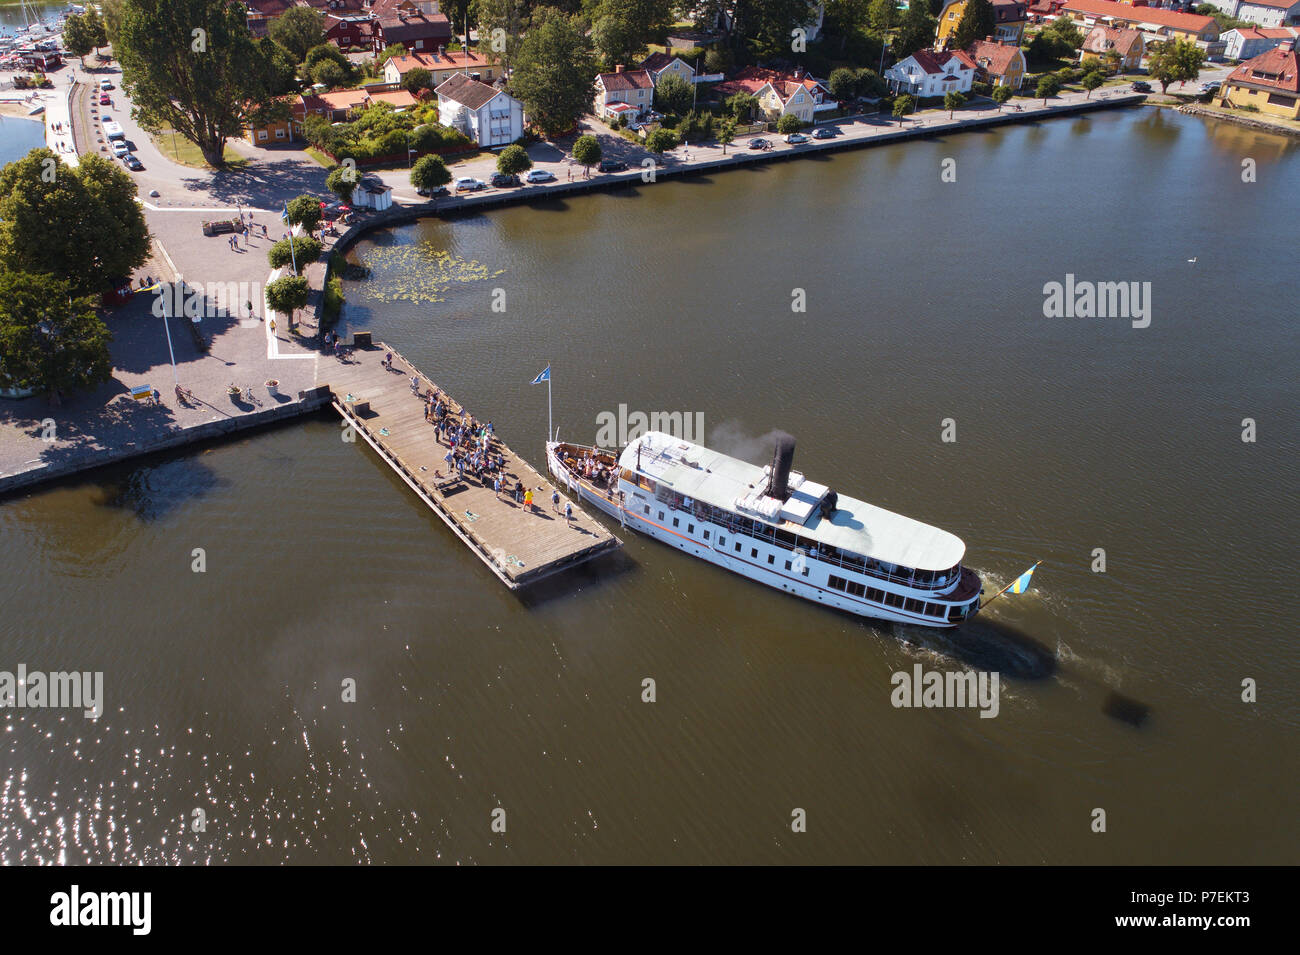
x=773, y=525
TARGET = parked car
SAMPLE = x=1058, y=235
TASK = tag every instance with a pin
x=1211, y=87
x=132, y=163
x=104, y=99
x=433, y=193
x=113, y=131
x=759, y=143
x=120, y=149
x=1141, y=87
x=539, y=175
x=823, y=132
x=469, y=184
x=635, y=127
x=105, y=84
x=611, y=165
x=794, y=139
x=501, y=180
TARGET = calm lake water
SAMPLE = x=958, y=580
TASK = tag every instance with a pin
x=924, y=301
x=18, y=137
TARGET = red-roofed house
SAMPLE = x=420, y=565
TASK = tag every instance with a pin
x=487, y=115
x=1245, y=42
x=416, y=24
x=780, y=94
x=927, y=73
x=1002, y=64
x=1156, y=23
x=659, y=64
x=350, y=31
x=633, y=87
x=1269, y=82
x=441, y=66
x=1129, y=44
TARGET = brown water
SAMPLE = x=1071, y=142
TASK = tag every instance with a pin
x=1121, y=690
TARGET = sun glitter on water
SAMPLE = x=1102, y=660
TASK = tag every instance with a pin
x=419, y=273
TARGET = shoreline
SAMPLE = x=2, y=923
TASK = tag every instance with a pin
x=310, y=400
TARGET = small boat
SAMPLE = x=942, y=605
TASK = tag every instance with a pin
x=36, y=110
x=774, y=526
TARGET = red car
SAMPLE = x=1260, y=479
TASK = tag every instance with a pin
x=104, y=99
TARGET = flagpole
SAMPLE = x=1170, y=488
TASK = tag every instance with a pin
x=548, y=403
x=1008, y=586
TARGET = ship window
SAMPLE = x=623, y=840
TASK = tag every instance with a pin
x=647, y=508
x=661, y=515
x=857, y=589
x=771, y=558
x=706, y=533
x=893, y=600
x=753, y=552
x=737, y=547
x=674, y=522
x=787, y=565
x=690, y=529
x=722, y=540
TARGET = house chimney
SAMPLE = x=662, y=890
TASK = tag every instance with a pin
x=1286, y=46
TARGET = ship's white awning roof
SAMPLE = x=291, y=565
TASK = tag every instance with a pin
x=720, y=480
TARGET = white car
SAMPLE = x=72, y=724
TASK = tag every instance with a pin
x=114, y=131
x=470, y=184
x=539, y=175
x=105, y=84
x=120, y=148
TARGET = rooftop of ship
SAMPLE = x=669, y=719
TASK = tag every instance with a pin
x=854, y=525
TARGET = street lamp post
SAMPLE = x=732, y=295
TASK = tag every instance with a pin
x=409, y=154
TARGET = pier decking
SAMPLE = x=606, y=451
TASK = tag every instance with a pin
x=519, y=547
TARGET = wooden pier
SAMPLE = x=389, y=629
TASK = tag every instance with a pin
x=521, y=548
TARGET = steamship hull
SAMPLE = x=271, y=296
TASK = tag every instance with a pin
x=773, y=526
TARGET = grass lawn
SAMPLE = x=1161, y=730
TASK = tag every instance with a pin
x=180, y=150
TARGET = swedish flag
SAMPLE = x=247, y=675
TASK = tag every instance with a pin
x=1021, y=583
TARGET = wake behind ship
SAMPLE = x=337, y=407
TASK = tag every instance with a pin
x=772, y=525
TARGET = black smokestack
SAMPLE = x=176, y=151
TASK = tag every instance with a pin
x=782, y=458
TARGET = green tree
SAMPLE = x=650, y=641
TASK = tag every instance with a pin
x=386, y=54
x=342, y=181
x=101, y=234
x=616, y=41
x=915, y=31
x=286, y=295
x=1048, y=86
x=661, y=140
x=1000, y=96
x=843, y=83
x=191, y=65
x=77, y=39
x=305, y=211
x=882, y=15
x=1091, y=81
x=112, y=16
x=740, y=106
x=586, y=151
x=298, y=29
x=1175, y=62
x=726, y=134
x=789, y=123
x=870, y=84
x=673, y=94
x=977, y=21
x=902, y=106
x=300, y=249
x=953, y=101
x=513, y=160
x=328, y=73
x=501, y=28
x=1064, y=29
x=51, y=340
x=416, y=80
x=554, y=74
x=430, y=172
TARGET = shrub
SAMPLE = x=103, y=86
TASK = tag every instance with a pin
x=305, y=249
x=789, y=123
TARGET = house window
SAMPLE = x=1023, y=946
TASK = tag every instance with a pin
x=279, y=134
x=261, y=134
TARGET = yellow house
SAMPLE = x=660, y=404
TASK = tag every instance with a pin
x=1009, y=18
x=1267, y=82
x=271, y=131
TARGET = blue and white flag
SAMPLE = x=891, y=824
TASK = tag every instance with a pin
x=285, y=214
x=1021, y=583
x=544, y=376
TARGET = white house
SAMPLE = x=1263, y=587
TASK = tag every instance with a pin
x=1265, y=13
x=660, y=64
x=926, y=73
x=371, y=193
x=487, y=115
x=636, y=88
x=1245, y=43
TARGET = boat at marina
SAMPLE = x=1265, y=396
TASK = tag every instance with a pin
x=773, y=525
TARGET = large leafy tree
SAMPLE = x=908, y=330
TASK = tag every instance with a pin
x=977, y=22
x=191, y=65
x=298, y=29
x=513, y=160
x=101, y=233
x=1175, y=62
x=430, y=172
x=305, y=211
x=765, y=26
x=78, y=37
x=673, y=94
x=882, y=15
x=554, y=73
x=50, y=339
x=616, y=40
x=507, y=16
x=586, y=151
x=915, y=31
x=287, y=294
